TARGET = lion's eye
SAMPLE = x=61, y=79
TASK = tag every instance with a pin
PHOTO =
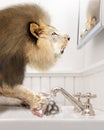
x=54, y=33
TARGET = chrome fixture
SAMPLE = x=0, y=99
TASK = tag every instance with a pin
x=86, y=108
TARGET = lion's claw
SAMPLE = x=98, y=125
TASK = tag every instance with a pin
x=37, y=113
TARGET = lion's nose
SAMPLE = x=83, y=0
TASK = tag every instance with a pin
x=68, y=38
x=62, y=51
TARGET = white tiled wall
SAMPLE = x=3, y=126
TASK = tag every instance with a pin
x=95, y=84
x=46, y=83
x=91, y=80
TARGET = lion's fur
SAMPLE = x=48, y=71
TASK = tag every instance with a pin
x=43, y=57
x=14, y=37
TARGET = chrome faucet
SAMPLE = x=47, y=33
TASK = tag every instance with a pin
x=86, y=108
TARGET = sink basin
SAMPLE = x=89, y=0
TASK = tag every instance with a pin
x=16, y=118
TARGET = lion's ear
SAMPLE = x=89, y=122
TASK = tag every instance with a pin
x=34, y=29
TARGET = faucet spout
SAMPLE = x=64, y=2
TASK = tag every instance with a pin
x=69, y=97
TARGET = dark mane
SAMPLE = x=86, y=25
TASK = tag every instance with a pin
x=14, y=35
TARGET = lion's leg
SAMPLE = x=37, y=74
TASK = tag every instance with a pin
x=24, y=94
x=9, y=101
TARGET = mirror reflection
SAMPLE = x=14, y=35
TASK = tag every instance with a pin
x=89, y=16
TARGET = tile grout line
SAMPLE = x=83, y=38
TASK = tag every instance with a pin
x=74, y=84
x=64, y=88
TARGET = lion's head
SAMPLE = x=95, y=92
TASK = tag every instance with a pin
x=49, y=46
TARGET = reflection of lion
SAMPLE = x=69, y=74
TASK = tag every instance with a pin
x=92, y=15
x=26, y=37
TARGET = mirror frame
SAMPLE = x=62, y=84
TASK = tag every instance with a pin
x=95, y=30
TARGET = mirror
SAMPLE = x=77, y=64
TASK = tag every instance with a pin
x=89, y=20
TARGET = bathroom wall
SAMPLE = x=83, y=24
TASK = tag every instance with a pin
x=94, y=62
x=94, y=83
x=94, y=50
x=46, y=82
x=92, y=80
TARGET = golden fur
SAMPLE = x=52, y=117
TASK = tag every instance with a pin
x=43, y=55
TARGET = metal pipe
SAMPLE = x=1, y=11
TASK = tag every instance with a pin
x=69, y=97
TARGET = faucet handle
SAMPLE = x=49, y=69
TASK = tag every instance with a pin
x=78, y=94
x=88, y=95
x=88, y=106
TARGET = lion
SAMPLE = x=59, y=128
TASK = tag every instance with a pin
x=27, y=38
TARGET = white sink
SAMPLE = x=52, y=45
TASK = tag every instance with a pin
x=15, y=118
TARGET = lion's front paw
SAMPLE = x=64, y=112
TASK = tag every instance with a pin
x=39, y=105
x=39, y=113
x=39, y=102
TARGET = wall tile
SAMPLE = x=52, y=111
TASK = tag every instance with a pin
x=96, y=85
x=45, y=84
x=36, y=84
x=93, y=83
x=27, y=82
x=78, y=84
